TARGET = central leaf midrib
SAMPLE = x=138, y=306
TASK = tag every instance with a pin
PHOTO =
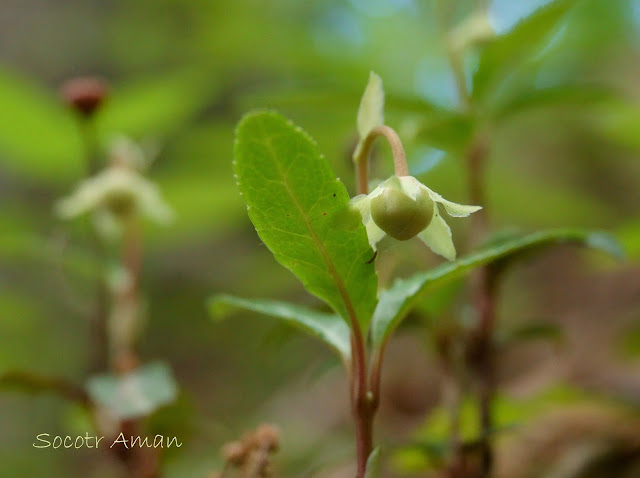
x=325, y=255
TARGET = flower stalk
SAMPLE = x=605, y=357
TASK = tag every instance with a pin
x=402, y=208
x=364, y=152
x=482, y=282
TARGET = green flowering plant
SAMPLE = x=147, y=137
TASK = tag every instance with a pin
x=305, y=216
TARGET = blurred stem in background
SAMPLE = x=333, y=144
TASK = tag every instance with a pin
x=480, y=350
x=141, y=462
x=85, y=95
x=114, y=194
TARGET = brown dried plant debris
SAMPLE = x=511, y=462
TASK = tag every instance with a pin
x=251, y=456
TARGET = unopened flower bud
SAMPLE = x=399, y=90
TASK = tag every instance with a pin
x=399, y=215
x=85, y=94
x=402, y=207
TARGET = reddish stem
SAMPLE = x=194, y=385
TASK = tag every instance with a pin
x=483, y=296
x=362, y=160
x=364, y=392
x=361, y=403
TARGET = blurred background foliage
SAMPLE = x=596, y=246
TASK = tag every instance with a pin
x=561, y=102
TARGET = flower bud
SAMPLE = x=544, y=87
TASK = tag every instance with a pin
x=85, y=94
x=399, y=215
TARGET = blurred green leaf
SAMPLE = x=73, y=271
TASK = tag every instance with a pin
x=329, y=328
x=396, y=302
x=630, y=343
x=301, y=212
x=620, y=122
x=448, y=131
x=22, y=247
x=156, y=105
x=135, y=394
x=531, y=331
x=374, y=468
x=559, y=96
x=629, y=236
x=327, y=93
x=38, y=136
x=432, y=305
x=430, y=443
x=502, y=56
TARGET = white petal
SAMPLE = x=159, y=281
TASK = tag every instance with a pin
x=374, y=234
x=150, y=203
x=411, y=186
x=94, y=192
x=377, y=191
x=438, y=237
x=370, y=113
x=452, y=208
x=392, y=182
x=362, y=204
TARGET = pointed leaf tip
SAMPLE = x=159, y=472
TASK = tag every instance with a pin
x=374, y=468
x=371, y=111
x=606, y=243
x=329, y=328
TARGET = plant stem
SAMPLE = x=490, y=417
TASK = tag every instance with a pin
x=29, y=382
x=444, y=11
x=482, y=280
x=362, y=159
x=89, y=138
x=362, y=404
x=483, y=294
x=451, y=354
x=365, y=391
x=141, y=462
x=99, y=325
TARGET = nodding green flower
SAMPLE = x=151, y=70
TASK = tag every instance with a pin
x=403, y=208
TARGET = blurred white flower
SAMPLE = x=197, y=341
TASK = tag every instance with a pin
x=123, y=151
x=475, y=30
x=119, y=190
x=403, y=207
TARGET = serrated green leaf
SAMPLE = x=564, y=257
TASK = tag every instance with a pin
x=501, y=57
x=396, y=302
x=374, y=468
x=135, y=394
x=301, y=212
x=329, y=328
